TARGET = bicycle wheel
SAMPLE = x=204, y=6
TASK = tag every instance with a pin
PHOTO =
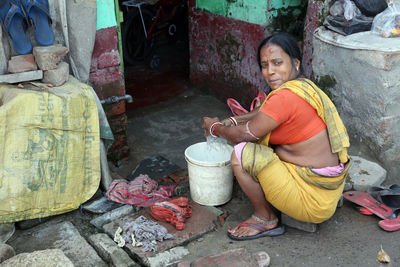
x=135, y=44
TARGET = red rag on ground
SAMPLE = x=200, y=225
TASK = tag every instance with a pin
x=175, y=211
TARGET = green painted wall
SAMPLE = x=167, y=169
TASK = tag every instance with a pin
x=254, y=11
x=105, y=14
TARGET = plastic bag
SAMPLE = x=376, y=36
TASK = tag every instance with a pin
x=345, y=18
x=387, y=23
x=349, y=9
x=371, y=8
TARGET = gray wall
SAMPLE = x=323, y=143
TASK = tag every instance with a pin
x=361, y=73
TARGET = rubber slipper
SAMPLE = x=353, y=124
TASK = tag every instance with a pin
x=371, y=204
x=390, y=196
x=38, y=13
x=279, y=230
x=362, y=210
x=235, y=107
x=390, y=225
x=258, y=100
x=15, y=24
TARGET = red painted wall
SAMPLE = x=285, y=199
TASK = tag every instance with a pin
x=223, y=56
x=107, y=80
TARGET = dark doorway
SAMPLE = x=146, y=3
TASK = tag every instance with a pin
x=156, y=60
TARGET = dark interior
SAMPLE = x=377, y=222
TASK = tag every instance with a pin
x=156, y=68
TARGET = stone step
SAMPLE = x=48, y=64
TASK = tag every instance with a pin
x=303, y=226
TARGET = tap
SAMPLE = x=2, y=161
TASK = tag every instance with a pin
x=116, y=99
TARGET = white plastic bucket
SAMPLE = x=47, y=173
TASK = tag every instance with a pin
x=210, y=173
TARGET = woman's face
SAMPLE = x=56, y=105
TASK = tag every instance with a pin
x=276, y=66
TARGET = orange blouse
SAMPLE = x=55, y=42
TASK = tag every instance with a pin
x=298, y=120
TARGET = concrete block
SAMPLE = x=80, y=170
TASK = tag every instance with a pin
x=168, y=257
x=101, y=205
x=48, y=57
x=6, y=231
x=22, y=63
x=304, y=226
x=6, y=252
x=112, y=215
x=60, y=235
x=48, y=257
x=364, y=173
x=183, y=264
x=58, y=76
x=110, y=252
x=21, y=77
x=340, y=202
x=234, y=257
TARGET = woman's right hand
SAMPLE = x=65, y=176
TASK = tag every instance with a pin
x=207, y=122
x=227, y=122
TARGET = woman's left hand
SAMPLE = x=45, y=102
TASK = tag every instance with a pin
x=207, y=124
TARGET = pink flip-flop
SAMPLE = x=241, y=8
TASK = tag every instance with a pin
x=258, y=100
x=391, y=225
x=235, y=107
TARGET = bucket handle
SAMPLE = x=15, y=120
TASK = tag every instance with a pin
x=226, y=163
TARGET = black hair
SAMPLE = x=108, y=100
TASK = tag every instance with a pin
x=286, y=42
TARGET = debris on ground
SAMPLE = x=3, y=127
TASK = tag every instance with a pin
x=383, y=256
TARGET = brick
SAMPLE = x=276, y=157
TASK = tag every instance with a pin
x=108, y=59
x=58, y=76
x=22, y=63
x=168, y=257
x=48, y=57
x=6, y=252
x=108, y=82
x=119, y=124
x=304, y=226
x=110, y=252
x=21, y=77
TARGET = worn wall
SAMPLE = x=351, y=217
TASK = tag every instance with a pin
x=361, y=73
x=224, y=36
x=254, y=11
x=107, y=78
x=316, y=13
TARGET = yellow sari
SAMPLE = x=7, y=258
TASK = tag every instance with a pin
x=298, y=191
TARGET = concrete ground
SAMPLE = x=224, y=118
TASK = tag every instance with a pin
x=347, y=239
x=167, y=129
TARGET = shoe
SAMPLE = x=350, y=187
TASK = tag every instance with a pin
x=38, y=14
x=390, y=196
x=15, y=23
